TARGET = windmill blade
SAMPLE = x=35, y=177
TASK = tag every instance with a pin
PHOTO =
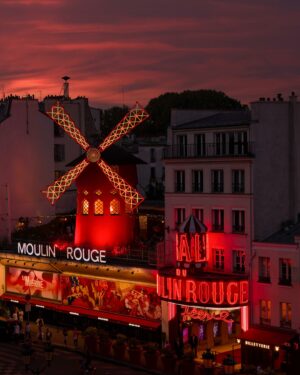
x=55, y=191
x=57, y=113
x=133, y=118
x=131, y=196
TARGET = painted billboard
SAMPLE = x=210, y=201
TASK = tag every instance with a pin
x=39, y=284
x=111, y=296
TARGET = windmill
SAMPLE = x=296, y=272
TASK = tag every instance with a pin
x=88, y=170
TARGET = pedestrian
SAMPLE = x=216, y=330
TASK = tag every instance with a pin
x=75, y=337
x=40, y=324
x=48, y=336
x=65, y=334
x=194, y=344
x=27, y=331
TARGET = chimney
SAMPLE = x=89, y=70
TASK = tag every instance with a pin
x=293, y=97
x=66, y=87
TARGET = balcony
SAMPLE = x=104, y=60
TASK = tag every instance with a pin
x=209, y=150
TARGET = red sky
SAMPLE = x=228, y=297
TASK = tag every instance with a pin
x=120, y=51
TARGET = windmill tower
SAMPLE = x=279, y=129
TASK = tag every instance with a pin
x=105, y=200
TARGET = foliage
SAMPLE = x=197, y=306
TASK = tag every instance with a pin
x=133, y=343
x=120, y=340
x=160, y=110
x=90, y=331
x=103, y=335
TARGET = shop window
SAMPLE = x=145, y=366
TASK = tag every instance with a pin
x=217, y=181
x=197, y=181
x=179, y=215
x=114, y=207
x=265, y=311
x=218, y=255
x=285, y=315
x=198, y=213
x=85, y=207
x=285, y=271
x=264, y=269
x=179, y=181
x=98, y=207
x=217, y=220
x=238, y=221
x=238, y=258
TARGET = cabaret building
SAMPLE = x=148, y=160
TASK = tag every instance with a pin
x=203, y=274
x=93, y=275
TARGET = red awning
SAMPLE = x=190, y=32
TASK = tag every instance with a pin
x=101, y=315
x=269, y=336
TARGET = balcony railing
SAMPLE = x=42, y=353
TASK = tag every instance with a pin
x=209, y=150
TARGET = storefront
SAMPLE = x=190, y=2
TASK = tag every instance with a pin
x=37, y=278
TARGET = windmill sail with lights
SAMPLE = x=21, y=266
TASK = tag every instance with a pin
x=101, y=219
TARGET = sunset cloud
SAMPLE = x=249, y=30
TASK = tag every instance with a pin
x=118, y=51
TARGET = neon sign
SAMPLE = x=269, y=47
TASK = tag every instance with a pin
x=190, y=248
x=208, y=293
x=257, y=344
x=76, y=254
x=205, y=315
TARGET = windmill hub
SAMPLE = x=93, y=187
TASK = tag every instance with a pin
x=93, y=155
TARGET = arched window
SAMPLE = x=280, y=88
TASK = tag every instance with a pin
x=98, y=207
x=85, y=207
x=114, y=207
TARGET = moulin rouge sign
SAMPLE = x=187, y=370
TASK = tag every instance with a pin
x=72, y=253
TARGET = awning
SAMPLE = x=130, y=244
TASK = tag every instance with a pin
x=268, y=336
x=100, y=315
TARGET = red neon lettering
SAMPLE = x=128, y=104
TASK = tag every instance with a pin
x=243, y=291
x=203, y=292
x=177, y=289
x=184, y=251
x=193, y=313
x=190, y=291
x=169, y=286
x=230, y=293
x=218, y=293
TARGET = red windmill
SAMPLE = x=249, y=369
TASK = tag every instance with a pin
x=101, y=219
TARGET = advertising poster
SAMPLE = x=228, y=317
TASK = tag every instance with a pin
x=38, y=283
x=111, y=296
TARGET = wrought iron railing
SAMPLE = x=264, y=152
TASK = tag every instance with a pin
x=237, y=149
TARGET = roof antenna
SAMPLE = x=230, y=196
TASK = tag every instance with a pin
x=66, y=86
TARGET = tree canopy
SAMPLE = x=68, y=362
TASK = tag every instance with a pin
x=160, y=109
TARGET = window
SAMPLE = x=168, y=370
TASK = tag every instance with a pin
x=218, y=220
x=217, y=181
x=179, y=181
x=114, y=207
x=152, y=173
x=179, y=215
x=285, y=271
x=265, y=311
x=58, y=131
x=231, y=143
x=238, y=221
x=58, y=174
x=285, y=315
x=98, y=207
x=200, y=144
x=181, y=145
x=198, y=213
x=264, y=269
x=238, y=258
x=238, y=181
x=218, y=256
x=85, y=207
x=197, y=178
x=152, y=155
x=59, y=152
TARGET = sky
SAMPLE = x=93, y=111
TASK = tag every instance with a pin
x=121, y=51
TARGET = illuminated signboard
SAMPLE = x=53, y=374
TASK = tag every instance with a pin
x=190, y=248
x=72, y=253
x=257, y=344
x=203, y=292
x=190, y=313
